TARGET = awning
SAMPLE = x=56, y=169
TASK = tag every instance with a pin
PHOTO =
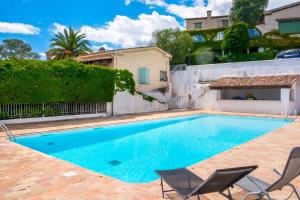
x=251, y=82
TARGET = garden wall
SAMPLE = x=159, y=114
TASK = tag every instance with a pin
x=191, y=86
x=125, y=103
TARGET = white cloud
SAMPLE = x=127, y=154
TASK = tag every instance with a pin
x=160, y=3
x=97, y=47
x=57, y=28
x=127, y=2
x=198, y=8
x=127, y=32
x=27, y=29
x=43, y=55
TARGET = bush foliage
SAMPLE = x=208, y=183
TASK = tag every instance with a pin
x=208, y=34
x=31, y=81
x=236, y=38
x=249, y=12
x=124, y=81
x=267, y=55
x=176, y=42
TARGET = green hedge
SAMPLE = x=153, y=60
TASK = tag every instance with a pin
x=208, y=34
x=267, y=55
x=29, y=81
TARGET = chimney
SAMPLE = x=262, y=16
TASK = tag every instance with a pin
x=101, y=50
x=208, y=14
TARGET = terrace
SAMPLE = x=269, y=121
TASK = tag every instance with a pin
x=28, y=174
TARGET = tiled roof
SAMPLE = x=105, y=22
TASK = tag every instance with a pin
x=95, y=56
x=109, y=54
x=280, y=81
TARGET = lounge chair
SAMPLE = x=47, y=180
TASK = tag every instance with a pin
x=186, y=184
x=255, y=186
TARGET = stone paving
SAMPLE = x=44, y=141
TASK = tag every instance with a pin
x=28, y=174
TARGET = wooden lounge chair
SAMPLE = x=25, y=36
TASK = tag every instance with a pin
x=186, y=184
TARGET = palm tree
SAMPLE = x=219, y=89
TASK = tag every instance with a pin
x=69, y=44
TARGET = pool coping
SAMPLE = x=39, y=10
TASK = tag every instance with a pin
x=112, y=123
x=192, y=167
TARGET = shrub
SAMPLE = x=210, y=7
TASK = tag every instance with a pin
x=29, y=81
x=124, y=81
x=176, y=42
x=208, y=34
x=236, y=38
x=203, y=56
x=267, y=55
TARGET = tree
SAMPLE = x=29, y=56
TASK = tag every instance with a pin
x=250, y=12
x=69, y=44
x=236, y=38
x=16, y=49
x=176, y=42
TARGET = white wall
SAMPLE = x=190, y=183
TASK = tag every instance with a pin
x=53, y=118
x=249, y=106
x=162, y=97
x=211, y=72
x=191, y=86
x=125, y=103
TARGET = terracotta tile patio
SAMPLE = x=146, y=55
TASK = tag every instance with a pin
x=28, y=174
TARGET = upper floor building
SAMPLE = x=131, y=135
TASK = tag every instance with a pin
x=208, y=22
x=285, y=19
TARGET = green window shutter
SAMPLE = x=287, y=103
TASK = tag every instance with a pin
x=292, y=26
x=144, y=74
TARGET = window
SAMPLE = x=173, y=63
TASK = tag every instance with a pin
x=225, y=23
x=144, y=75
x=198, y=38
x=291, y=26
x=220, y=36
x=198, y=25
x=163, y=76
x=254, y=33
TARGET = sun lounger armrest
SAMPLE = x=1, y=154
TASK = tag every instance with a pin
x=277, y=172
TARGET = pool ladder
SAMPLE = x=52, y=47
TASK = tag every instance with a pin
x=10, y=136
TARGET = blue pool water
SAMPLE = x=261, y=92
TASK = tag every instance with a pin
x=130, y=152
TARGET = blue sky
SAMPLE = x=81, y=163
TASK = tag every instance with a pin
x=113, y=24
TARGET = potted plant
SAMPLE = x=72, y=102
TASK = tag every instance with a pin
x=249, y=96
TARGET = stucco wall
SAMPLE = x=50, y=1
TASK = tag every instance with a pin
x=211, y=72
x=249, y=106
x=207, y=23
x=153, y=59
x=125, y=103
x=191, y=86
x=270, y=20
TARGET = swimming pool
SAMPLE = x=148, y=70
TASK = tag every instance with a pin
x=130, y=152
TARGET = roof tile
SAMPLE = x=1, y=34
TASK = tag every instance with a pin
x=280, y=81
